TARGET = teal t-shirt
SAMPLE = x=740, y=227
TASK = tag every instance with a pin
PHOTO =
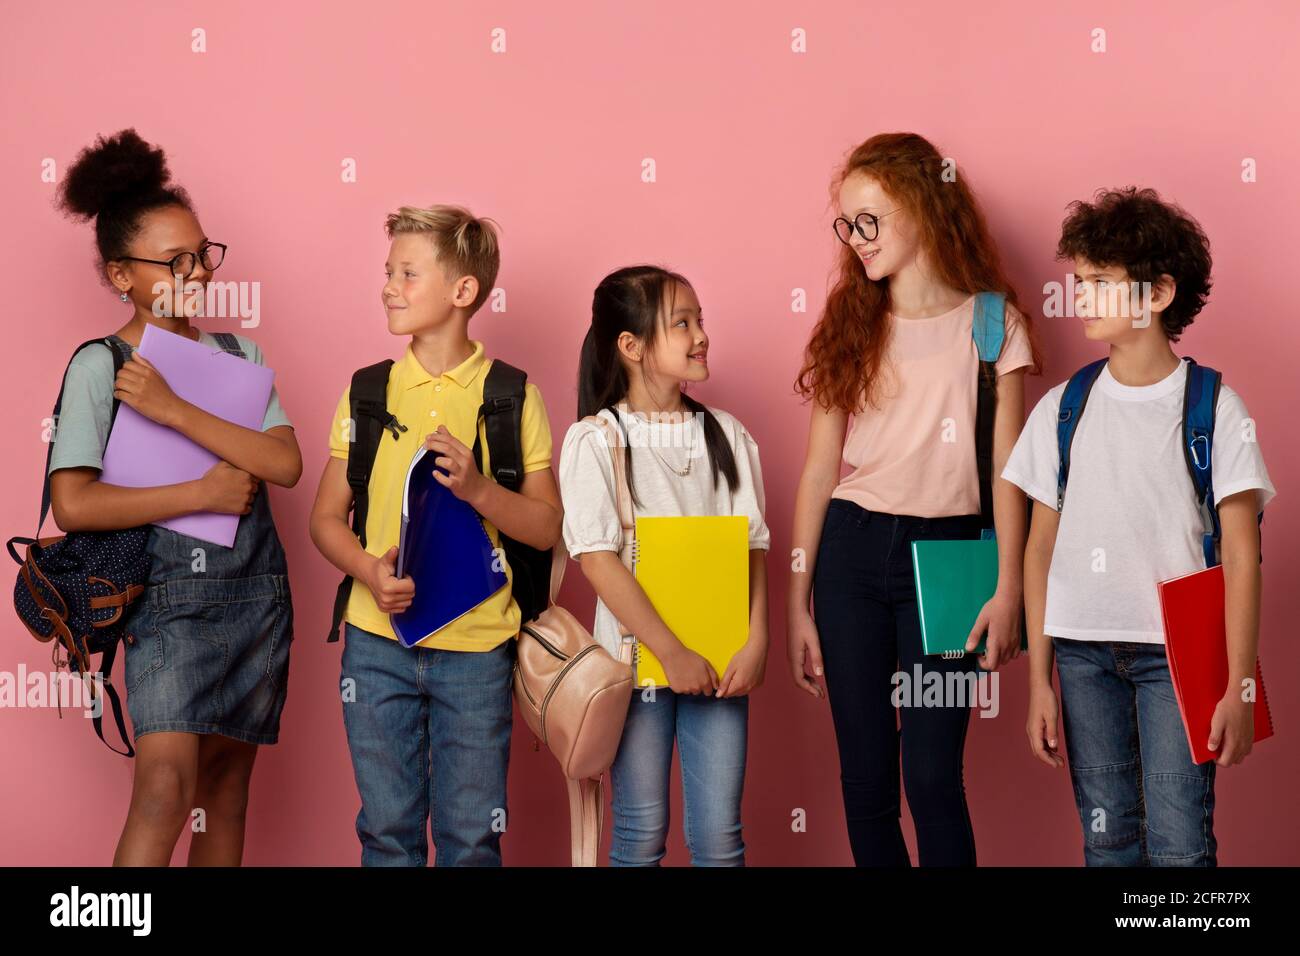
x=82, y=429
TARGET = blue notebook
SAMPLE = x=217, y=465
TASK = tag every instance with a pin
x=446, y=550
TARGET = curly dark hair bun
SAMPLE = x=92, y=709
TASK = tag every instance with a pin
x=114, y=171
x=116, y=181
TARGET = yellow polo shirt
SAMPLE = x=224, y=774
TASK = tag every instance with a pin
x=422, y=402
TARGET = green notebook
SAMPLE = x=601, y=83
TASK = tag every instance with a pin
x=954, y=579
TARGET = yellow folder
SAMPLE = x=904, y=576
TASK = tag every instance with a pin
x=695, y=570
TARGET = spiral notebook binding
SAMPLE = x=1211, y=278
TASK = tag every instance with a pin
x=953, y=655
x=1263, y=696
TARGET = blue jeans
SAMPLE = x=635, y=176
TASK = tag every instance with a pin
x=711, y=734
x=1141, y=800
x=428, y=729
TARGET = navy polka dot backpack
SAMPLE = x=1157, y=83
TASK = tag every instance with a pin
x=73, y=591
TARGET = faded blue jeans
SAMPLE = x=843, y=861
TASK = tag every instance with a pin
x=1141, y=800
x=429, y=733
x=711, y=735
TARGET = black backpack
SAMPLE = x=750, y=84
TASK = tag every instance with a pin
x=501, y=417
x=77, y=587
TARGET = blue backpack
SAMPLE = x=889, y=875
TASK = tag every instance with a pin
x=1200, y=400
x=988, y=331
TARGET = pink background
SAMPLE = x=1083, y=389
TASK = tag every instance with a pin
x=548, y=139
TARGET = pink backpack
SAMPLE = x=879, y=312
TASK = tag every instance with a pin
x=572, y=692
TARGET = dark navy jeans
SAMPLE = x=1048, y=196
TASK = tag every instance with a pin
x=864, y=602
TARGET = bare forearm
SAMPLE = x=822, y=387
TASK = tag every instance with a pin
x=1009, y=518
x=626, y=600
x=261, y=454
x=809, y=515
x=1242, y=583
x=1038, y=559
x=334, y=539
x=97, y=506
x=529, y=520
x=758, y=593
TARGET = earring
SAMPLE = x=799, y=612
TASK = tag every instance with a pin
x=125, y=297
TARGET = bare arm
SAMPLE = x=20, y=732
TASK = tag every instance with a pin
x=821, y=473
x=533, y=515
x=271, y=455
x=1232, y=729
x=758, y=629
x=1038, y=560
x=627, y=601
x=81, y=502
x=747, y=666
x=1043, y=710
x=333, y=537
x=1001, y=615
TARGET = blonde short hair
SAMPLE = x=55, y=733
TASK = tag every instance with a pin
x=465, y=245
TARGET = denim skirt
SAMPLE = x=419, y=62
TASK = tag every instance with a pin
x=211, y=657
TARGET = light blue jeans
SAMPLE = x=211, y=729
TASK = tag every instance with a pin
x=711, y=735
x=429, y=733
x=1141, y=800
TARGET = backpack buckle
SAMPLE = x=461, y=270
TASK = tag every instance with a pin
x=501, y=403
x=392, y=424
x=1204, y=439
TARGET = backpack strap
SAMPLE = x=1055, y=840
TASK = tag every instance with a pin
x=535, y=572
x=586, y=816
x=622, y=494
x=368, y=407
x=988, y=331
x=502, y=418
x=119, y=359
x=229, y=344
x=1200, y=401
x=1073, y=400
x=115, y=704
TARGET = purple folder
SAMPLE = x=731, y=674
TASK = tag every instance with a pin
x=143, y=454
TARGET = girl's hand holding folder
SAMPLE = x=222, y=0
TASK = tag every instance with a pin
x=688, y=672
x=745, y=670
x=143, y=387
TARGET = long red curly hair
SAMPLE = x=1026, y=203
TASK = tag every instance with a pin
x=842, y=363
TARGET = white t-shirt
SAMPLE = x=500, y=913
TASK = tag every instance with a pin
x=587, y=486
x=1130, y=518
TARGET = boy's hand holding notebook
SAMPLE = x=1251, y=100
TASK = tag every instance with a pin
x=1196, y=643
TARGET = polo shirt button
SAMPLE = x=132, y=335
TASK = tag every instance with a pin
x=437, y=388
x=434, y=414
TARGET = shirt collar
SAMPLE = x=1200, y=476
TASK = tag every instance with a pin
x=413, y=373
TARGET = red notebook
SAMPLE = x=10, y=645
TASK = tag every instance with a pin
x=1196, y=643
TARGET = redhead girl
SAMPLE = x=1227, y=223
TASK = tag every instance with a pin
x=892, y=369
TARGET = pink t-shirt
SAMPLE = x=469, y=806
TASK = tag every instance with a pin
x=915, y=453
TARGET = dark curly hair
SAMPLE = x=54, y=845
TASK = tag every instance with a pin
x=1136, y=229
x=115, y=182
